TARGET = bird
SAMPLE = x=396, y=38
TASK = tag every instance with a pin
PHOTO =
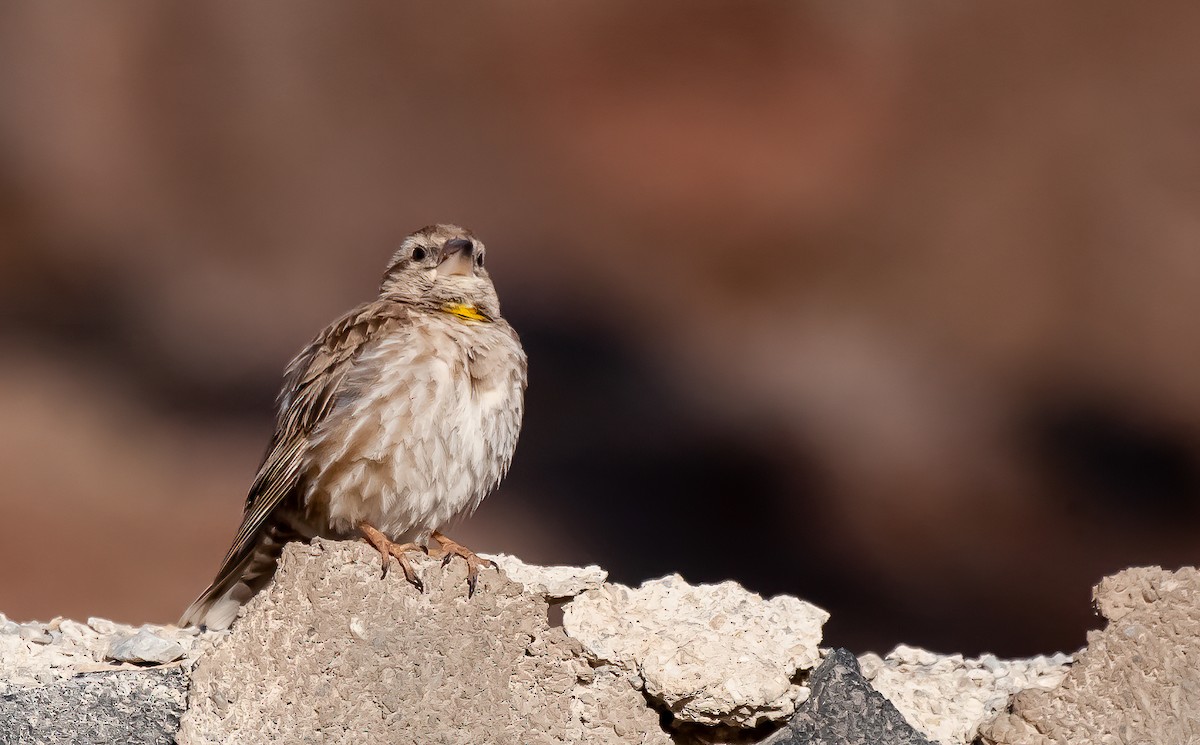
x=398, y=418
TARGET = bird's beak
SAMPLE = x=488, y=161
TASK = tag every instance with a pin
x=458, y=258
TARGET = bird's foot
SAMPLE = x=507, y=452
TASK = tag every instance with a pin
x=387, y=549
x=450, y=549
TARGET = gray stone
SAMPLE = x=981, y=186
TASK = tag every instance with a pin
x=845, y=710
x=141, y=707
x=145, y=646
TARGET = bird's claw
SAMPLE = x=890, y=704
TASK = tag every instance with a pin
x=388, y=549
x=450, y=549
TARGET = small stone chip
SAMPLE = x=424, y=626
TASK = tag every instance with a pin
x=145, y=647
x=35, y=633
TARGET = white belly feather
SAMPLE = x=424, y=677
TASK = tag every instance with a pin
x=427, y=429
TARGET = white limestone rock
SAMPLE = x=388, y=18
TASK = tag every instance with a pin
x=714, y=654
x=550, y=582
x=948, y=697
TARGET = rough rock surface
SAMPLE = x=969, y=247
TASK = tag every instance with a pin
x=845, y=710
x=1137, y=682
x=331, y=653
x=947, y=696
x=125, y=706
x=713, y=654
x=552, y=582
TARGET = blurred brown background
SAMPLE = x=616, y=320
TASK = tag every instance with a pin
x=892, y=308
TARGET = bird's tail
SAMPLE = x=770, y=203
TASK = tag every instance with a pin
x=242, y=575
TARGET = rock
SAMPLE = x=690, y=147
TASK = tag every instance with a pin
x=552, y=582
x=948, y=697
x=1136, y=682
x=1011, y=728
x=112, y=707
x=34, y=633
x=145, y=646
x=40, y=653
x=331, y=653
x=712, y=654
x=103, y=626
x=844, y=710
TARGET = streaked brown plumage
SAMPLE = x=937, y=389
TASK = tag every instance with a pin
x=400, y=416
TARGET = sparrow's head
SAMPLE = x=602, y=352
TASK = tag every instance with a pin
x=441, y=267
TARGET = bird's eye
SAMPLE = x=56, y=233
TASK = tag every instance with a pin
x=418, y=253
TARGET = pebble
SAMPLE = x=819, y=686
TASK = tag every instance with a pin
x=103, y=626
x=75, y=632
x=145, y=646
x=35, y=634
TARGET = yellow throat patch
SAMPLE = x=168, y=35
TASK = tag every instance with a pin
x=466, y=312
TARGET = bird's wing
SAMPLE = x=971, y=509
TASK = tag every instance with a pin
x=311, y=386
